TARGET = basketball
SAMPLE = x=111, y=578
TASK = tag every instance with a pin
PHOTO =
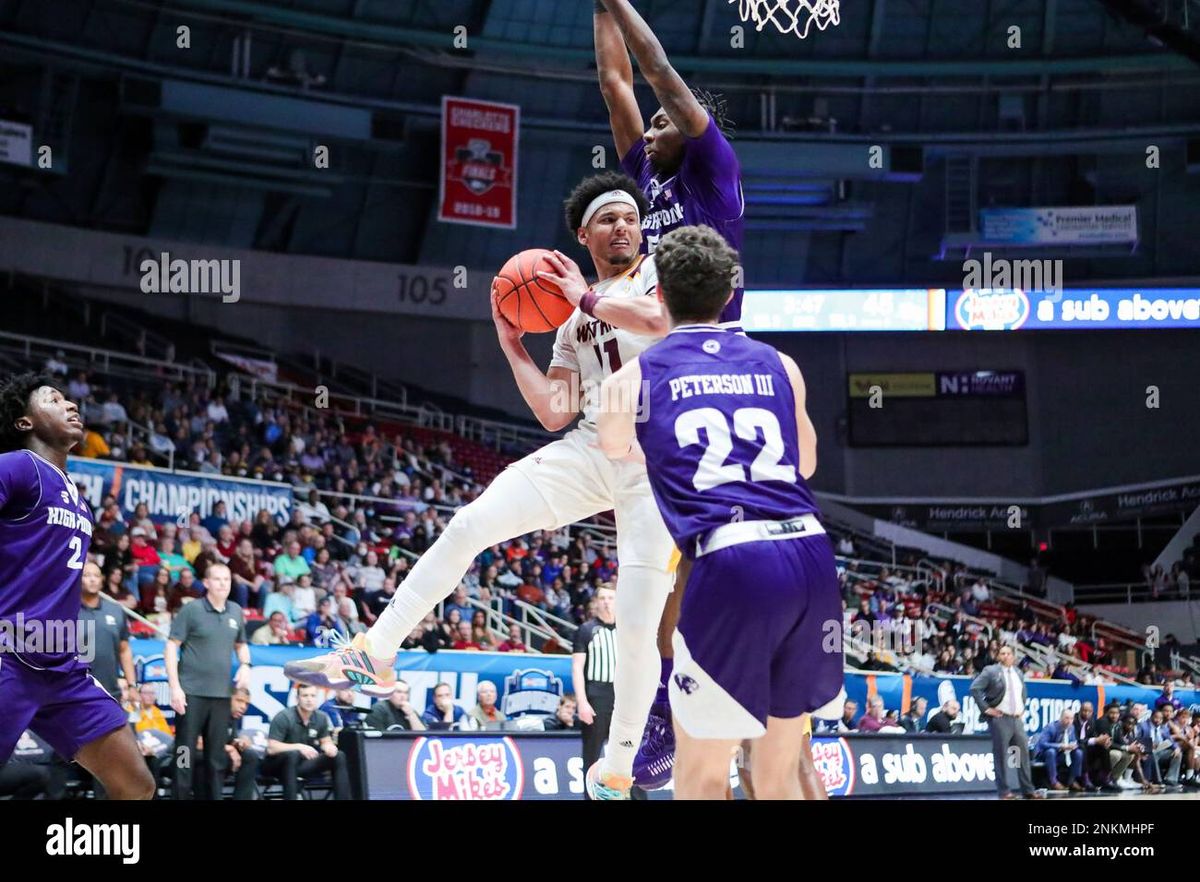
x=531, y=303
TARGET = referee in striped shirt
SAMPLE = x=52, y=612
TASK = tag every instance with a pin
x=593, y=663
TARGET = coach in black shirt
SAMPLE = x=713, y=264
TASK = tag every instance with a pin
x=108, y=643
x=300, y=745
x=593, y=664
x=204, y=635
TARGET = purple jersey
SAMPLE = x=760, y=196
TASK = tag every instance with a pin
x=707, y=189
x=720, y=438
x=45, y=530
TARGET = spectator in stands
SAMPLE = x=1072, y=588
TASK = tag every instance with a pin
x=459, y=602
x=465, y=638
x=144, y=555
x=291, y=565
x=249, y=586
x=324, y=622
x=114, y=587
x=1057, y=744
x=480, y=633
x=265, y=533
x=564, y=717
x=276, y=631
x=514, y=642
x=442, y=712
x=873, y=720
x=914, y=721
x=300, y=745
x=1168, y=698
x=218, y=519
x=314, y=511
x=304, y=598
x=485, y=714
x=395, y=712
x=946, y=721
x=369, y=576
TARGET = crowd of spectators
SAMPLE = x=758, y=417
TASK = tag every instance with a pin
x=372, y=502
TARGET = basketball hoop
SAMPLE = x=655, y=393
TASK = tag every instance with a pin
x=790, y=16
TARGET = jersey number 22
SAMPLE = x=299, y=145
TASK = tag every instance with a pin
x=713, y=470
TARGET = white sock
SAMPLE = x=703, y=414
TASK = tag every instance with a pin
x=511, y=506
x=641, y=595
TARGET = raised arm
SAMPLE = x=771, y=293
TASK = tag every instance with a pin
x=615, y=72
x=673, y=93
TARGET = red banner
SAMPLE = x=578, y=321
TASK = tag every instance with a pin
x=479, y=163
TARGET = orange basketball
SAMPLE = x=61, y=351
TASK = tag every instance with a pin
x=531, y=303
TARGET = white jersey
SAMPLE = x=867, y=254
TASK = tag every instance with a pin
x=594, y=349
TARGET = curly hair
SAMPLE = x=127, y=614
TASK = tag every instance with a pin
x=15, y=393
x=695, y=269
x=718, y=109
x=589, y=188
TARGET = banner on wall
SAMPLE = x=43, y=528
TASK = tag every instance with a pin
x=1045, y=699
x=172, y=496
x=479, y=163
x=1059, y=225
x=525, y=684
x=16, y=142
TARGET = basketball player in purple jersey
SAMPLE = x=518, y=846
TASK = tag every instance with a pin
x=683, y=162
x=45, y=530
x=688, y=170
x=729, y=447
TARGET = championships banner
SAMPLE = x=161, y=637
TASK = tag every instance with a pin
x=479, y=163
x=172, y=496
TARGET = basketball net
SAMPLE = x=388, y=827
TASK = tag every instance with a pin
x=790, y=16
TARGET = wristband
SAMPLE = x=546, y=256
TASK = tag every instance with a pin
x=587, y=303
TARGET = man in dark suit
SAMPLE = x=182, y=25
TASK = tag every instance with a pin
x=1088, y=739
x=1110, y=736
x=946, y=721
x=1058, y=744
x=999, y=690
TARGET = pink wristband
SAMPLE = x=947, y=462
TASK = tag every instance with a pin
x=588, y=302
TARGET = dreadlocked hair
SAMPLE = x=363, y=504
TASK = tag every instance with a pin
x=718, y=109
x=15, y=393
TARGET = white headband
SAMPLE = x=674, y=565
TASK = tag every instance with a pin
x=607, y=199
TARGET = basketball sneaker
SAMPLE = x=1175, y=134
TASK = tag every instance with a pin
x=655, y=760
x=348, y=666
x=605, y=785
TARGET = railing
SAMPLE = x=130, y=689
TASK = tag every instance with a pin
x=145, y=342
x=1126, y=592
x=104, y=360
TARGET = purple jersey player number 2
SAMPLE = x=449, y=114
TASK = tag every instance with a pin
x=706, y=189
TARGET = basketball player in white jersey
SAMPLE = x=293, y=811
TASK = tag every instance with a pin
x=564, y=482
